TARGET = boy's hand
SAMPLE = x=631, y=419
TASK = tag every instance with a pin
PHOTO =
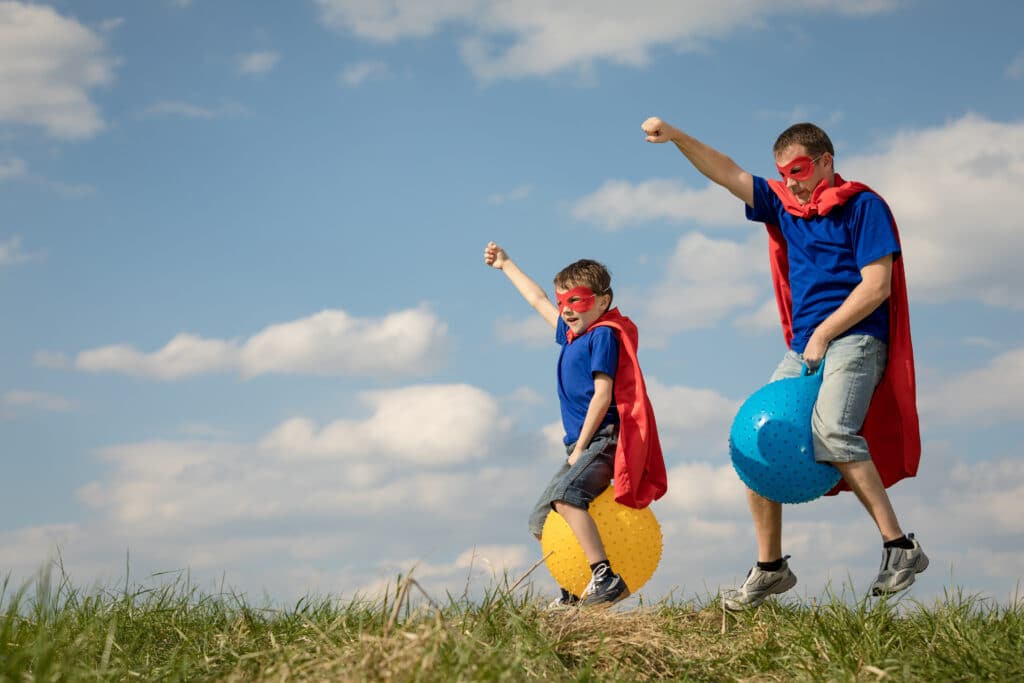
x=495, y=256
x=658, y=130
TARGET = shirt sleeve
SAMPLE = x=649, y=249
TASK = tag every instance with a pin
x=604, y=350
x=766, y=204
x=560, y=337
x=871, y=229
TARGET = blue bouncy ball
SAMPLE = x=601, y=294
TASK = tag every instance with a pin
x=771, y=445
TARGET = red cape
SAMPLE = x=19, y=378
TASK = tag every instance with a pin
x=891, y=427
x=640, y=476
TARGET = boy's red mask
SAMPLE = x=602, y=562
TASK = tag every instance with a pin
x=804, y=168
x=578, y=299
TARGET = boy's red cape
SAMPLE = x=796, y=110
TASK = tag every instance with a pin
x=891, y=426
x=640, y=476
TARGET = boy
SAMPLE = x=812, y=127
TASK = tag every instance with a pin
x=608, y=420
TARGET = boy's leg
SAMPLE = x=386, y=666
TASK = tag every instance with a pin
x=585, y=530
x=588, y=478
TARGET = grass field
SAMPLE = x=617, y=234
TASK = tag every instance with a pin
x=51, y=631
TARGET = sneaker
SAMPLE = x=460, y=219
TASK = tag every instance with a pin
x=900, y=566
x=758, y=585
x=563, y=602
x=605, y=588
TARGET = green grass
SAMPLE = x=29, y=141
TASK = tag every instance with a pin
x=50, y=631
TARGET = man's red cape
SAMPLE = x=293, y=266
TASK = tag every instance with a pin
x=640, y=476
x=891, y=426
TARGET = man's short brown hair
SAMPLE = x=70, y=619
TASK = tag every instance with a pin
x=814, y=139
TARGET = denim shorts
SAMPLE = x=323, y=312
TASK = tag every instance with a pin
x=853, y=367
x=581, y=483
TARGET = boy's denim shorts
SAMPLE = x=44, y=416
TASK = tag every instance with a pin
x=853, y=367
x=581, y=483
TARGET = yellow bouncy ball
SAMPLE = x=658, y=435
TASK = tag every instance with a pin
x=632, y=539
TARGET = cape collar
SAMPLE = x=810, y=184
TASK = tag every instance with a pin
x=824, y=198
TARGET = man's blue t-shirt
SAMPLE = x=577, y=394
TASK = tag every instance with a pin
x=596, y=350
x=826, y=255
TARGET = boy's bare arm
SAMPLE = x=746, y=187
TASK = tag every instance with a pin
x=720, y=168
x=603, y=391
x=534, y=294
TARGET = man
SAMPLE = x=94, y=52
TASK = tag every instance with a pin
x=841, y=294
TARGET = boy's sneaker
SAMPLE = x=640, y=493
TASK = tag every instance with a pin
x=900, y=566
x=758, y=586
x=563, y=602
x=605, y=588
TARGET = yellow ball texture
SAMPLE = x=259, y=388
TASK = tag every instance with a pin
x=631, y=537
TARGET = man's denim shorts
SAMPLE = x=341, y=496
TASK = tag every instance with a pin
x=853, y=367
x=580, y=484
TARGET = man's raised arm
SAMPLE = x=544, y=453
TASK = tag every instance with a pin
x=717, y=166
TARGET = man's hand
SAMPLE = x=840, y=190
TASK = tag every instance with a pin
x=495, y=256
x=815, y=350
x=658, y=130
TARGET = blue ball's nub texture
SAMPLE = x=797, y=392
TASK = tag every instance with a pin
x=771, y=445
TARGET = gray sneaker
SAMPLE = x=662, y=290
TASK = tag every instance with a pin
x=899, y=568
x=758, y=586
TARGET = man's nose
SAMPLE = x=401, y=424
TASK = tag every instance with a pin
x=790, y=182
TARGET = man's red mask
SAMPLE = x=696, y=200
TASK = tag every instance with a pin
x=578, y=299
x=798, y=169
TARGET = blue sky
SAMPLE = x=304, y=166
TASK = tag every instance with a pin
x=248, y=330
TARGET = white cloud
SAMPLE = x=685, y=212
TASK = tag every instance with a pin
x=330, y=342
x=54, y=360
x=36, y=400
x=764, y=319
x=12, y=168
x=514, y=195
x=409, y=424
x=532, y=332
x=705, y=281
x=11, y=252
x=957, y=220
x=990, y=394
x=358, y=73
x=1015, y=69
x=193, y=111
x=619, y=203
x=516, y=38
x=49, y=63
x=258, y=63
x=184, y=356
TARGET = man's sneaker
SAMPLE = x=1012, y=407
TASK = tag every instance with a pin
x=563, y=602
x=605, y=588
x=758, y=586
x=900, y=566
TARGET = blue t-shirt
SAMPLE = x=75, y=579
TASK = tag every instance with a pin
x=596, y=350
x=826, y=254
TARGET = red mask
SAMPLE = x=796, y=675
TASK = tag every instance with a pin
x=578, y=299
x=804, y=168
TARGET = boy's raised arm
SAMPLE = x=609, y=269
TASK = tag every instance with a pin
x=534, y=294
x=720, y=168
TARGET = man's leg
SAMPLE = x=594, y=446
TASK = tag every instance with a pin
x=767, y=515
x=853, y=367
x=864, y=481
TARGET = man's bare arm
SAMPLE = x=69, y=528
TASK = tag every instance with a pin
x=718, y=167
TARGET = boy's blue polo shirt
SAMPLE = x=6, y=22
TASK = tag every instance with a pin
x=826, y=255
x=596, y=350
